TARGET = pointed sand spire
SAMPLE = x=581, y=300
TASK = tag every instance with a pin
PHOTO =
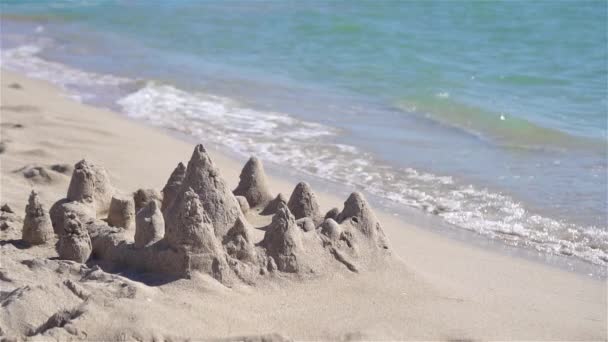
x=149, y=225
x=273, y=206
x=303, y=203
x=173, y=185
x=253, y=184
x=359, y=214
x=283, y=240
x=218, y=202
x=37, y=227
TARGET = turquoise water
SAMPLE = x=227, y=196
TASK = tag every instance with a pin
x=490, y=115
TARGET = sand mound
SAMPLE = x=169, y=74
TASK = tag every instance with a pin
x=39, y=174
x=331, y=229
x=306, y=224
x=303, y=203
x=90, y=185
x=37, y=227
x=173, y=185
x=253, y=184
x=62, y=168
x=333, y=213
x=9, y=221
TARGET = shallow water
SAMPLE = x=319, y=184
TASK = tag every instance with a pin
x=491, y=116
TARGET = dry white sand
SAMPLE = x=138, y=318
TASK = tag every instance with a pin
x=437, y=289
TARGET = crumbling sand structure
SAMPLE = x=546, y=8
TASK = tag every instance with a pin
x=204, y=228
x=37, y=227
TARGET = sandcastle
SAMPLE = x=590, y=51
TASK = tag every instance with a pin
x=90, y=185
x=199, y=225
x=303, y=203
x=74, y=242
x=37, y=227
x=173, y=185
x=149, y=225
x=253, y=185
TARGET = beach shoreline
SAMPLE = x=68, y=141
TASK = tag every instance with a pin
x=569, y=305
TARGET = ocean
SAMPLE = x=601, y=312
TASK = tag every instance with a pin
x=490, y=116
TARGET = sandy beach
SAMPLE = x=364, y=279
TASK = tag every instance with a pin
x=430, y=288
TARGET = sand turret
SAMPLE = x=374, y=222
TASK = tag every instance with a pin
x=74, y=243
x=303, y=203
x=191, y=233
x=218, y=202
x=37, y=227
x=253, y=184
x=273, y=206
x=91, y=186
x=122, y=212
x=239, y=241
x=359, y=214
x=149, y=225
x=142, y=197
x=60, y=208
x=173, y=185
x=283, y=240
x=192, y=229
